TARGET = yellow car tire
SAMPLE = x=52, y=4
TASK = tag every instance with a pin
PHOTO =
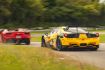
x=58, y=44
x=94, y=49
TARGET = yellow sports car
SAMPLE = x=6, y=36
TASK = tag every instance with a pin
x=70, y=37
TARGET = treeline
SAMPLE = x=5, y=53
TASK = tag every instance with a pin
x=30, y=13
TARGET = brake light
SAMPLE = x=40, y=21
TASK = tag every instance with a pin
x=27, y=33
x=97, y=34
x=65, y=35
x=8, y=33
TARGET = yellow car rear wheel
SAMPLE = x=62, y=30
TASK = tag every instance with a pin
x=58, y=44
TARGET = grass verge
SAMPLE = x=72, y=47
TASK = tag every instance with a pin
x=102, y=38
x=36, y=39
x=30, y=58
x=97, y=31
x=39, y=32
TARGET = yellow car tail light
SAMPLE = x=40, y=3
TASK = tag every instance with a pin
x=65, y=35
x=97, y=34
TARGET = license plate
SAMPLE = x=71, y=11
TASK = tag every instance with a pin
x=18, y=36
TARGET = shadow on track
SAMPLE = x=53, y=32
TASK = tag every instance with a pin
x=80, y=50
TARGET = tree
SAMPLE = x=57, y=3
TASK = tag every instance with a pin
x=5, y=11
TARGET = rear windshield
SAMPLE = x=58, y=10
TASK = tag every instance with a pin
x=73, y=36
x=77, y=35
x=76, y=30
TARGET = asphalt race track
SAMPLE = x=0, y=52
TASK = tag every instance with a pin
x=96, y=58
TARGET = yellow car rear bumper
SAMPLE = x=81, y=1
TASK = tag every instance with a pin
x=74, y=42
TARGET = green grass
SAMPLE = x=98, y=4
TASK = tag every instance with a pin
x=30, y=58
x=102, y=38
x=39, y=32
x=97, y=31
x=36, y=39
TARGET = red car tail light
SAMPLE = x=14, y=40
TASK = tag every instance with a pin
x=8, y=33
x=27, y=33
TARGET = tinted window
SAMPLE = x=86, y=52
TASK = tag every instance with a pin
x=91, y=35
x=73, y=35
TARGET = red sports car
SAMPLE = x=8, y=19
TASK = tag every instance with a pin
x=15, y=36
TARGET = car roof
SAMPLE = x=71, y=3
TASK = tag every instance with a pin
x=72, y=30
